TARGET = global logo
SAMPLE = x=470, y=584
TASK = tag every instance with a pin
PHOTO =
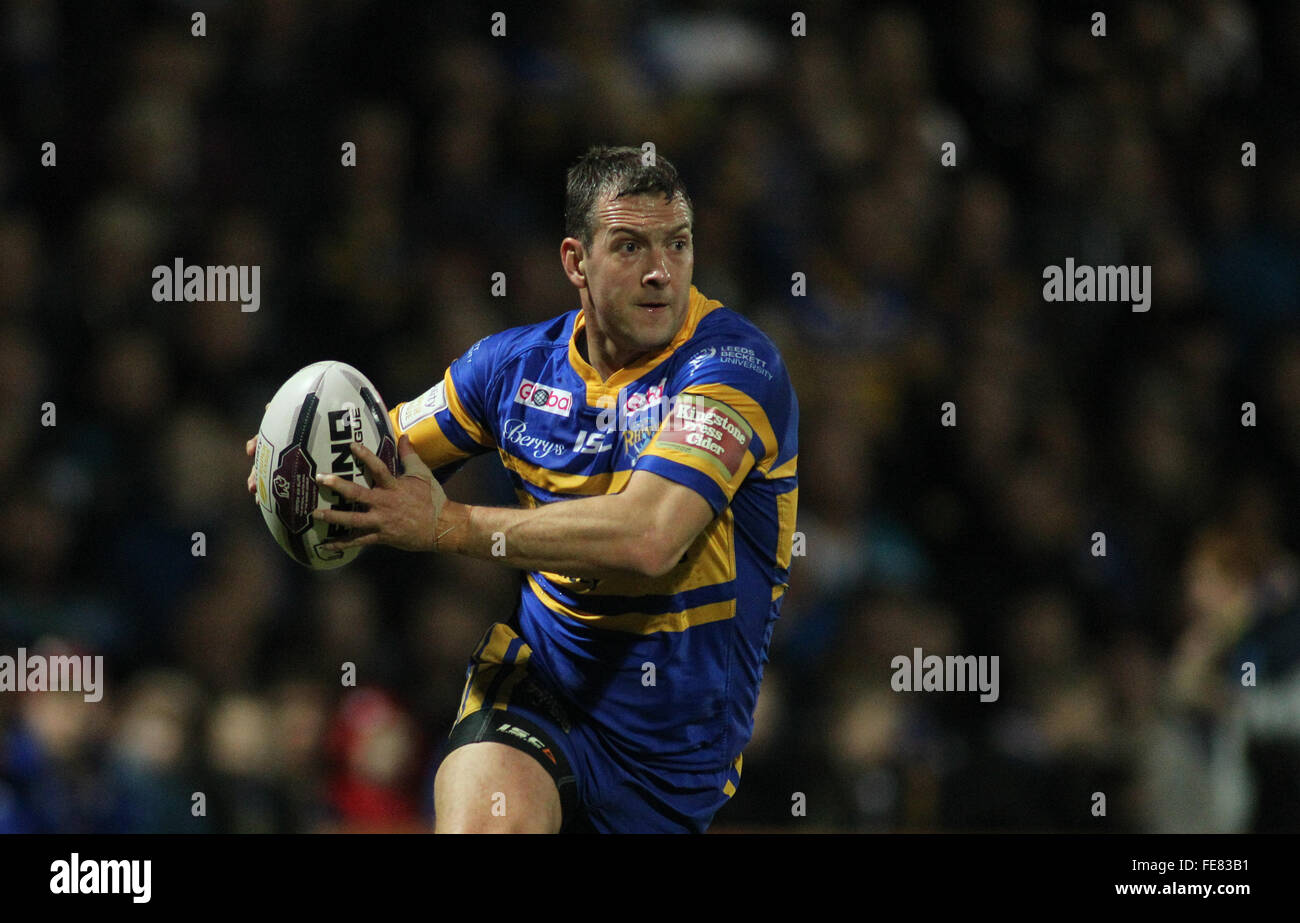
x=543, y=397
x=280, y=484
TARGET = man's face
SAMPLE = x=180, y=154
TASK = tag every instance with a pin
x=638, y=274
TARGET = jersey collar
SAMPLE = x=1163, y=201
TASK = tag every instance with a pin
x=609, y=389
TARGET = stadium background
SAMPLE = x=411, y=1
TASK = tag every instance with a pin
x=819, y=154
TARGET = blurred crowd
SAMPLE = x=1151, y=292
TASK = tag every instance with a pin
x=1121, y=674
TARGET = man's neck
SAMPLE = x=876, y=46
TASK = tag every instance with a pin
x=604, y=366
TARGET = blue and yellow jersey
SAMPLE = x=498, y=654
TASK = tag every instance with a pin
x=668, y=668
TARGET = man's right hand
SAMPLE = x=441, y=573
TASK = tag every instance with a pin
x=250, y=447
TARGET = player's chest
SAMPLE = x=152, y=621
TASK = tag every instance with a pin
x=554, y=425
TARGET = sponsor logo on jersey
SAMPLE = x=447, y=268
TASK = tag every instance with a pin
x=544, y=397
x=516, y=433
x=424, y=406
x=469, y=354
x=704, y=355
x=708, y=430
x=634, y=440
x=742, y=356
x=639, y=416
x=519, y=732
x=746, y=358
x=642, y=400
x=592, y=443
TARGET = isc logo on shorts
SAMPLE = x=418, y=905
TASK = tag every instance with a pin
x=544, y=397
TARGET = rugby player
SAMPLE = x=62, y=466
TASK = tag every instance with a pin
x=620, y=694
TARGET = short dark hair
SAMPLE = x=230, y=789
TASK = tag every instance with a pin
x=618, y=168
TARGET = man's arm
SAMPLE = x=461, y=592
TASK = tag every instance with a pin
x=644, y=529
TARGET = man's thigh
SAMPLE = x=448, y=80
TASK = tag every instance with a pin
x=507, y=768
x=488, y=787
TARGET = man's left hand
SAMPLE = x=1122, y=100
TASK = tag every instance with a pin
x=398, y=511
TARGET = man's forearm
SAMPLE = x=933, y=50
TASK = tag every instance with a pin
x=589, y=537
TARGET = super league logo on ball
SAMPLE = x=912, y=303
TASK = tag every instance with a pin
x=296, y=500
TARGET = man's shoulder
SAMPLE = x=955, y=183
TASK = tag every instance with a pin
x=725, y=326
x=500, y=348
x=727, y=341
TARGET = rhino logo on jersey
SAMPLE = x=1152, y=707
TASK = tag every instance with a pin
x=701, y=357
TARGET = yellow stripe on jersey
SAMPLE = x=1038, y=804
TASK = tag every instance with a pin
x=693, y=459
x=710, y=560
x=730, y=788
x=476, y=687
x=787, y=506
x=488, y=664
x=593, y=485
x=640, y=623
x=428, y=440
x=467, y=423
x=502, y=699
x=785, y=471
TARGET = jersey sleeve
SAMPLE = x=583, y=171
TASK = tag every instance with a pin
x=451, y=422
x=728, y=404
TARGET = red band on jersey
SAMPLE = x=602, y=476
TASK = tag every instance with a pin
x=707, y=429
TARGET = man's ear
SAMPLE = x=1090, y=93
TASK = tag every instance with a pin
x=573, y=258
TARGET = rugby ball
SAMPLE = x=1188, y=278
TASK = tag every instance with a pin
x=308, y=429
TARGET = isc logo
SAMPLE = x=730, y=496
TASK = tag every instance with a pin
x=591, y=443
x=542, y=397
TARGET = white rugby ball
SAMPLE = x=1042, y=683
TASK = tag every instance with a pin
x=307, y=430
